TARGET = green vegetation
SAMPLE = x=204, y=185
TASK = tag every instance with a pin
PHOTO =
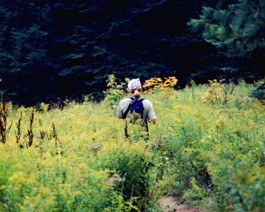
x=57, y=49
x=237, y=30
x=207, y=147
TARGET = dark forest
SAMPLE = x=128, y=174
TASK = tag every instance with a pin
x=52, y=50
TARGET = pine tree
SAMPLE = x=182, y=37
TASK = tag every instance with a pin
x=237, y=30
x=22, y=37
x=23, y=48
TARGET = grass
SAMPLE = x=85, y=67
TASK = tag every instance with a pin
x=207, y=147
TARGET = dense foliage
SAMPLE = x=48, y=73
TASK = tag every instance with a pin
x=237, y=30
x=207, y=147
x=58, y=49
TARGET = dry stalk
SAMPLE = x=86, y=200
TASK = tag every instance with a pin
x=42, y=134
x=4, y=130
x=57, y=141
x=30, y=130
x=18, y=134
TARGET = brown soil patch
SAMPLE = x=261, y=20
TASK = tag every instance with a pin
x=171, y=204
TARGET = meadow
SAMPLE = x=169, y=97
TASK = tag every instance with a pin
x=207, y=149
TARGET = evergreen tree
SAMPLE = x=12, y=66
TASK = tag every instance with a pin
x=23, y=52
x=237, y=30
x=62, y=48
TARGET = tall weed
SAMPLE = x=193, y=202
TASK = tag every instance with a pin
x=76, y=159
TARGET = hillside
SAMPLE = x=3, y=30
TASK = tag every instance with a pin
x=207, y=149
